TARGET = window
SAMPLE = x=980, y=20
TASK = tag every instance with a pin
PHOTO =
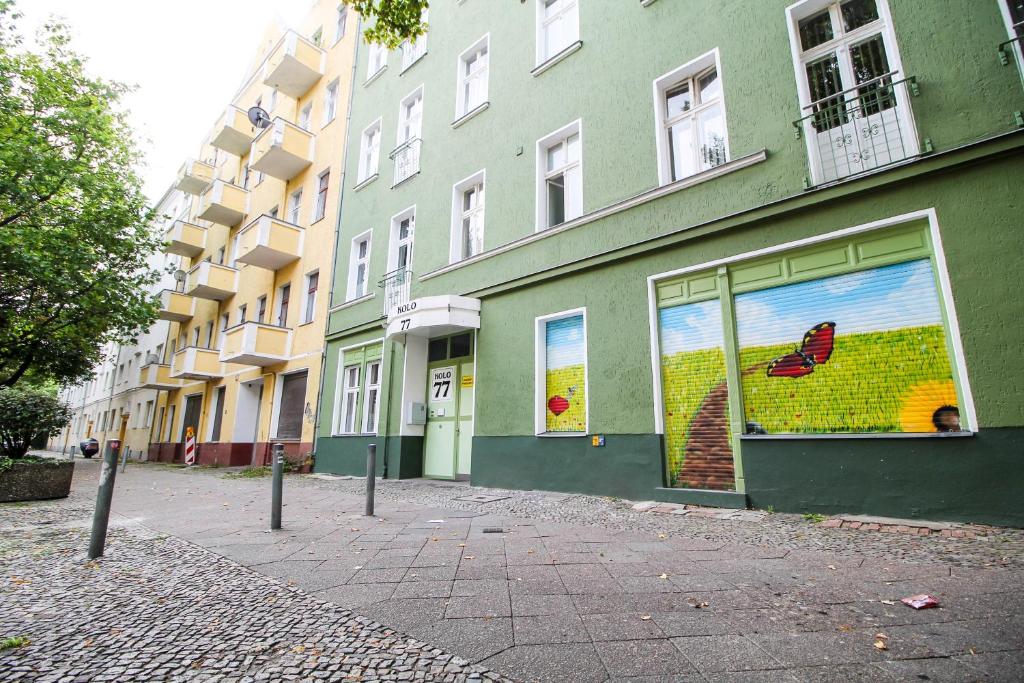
x=369, y=152
x=359, y=266
x=272, y=103
x=371, y=398
x=295, y=206
x=331, y=103
x=321, y=196
x=218, y=414
x=350, y=399
x=282, y=305
x=195, y=336
x=318, y=36
x=410, y=124
x=559, y=177
x=306, y=117
x=340, y=22
x=241, y=313
x=691, y=119
x=147, y=420
x=312, y=281
x=855, y=111
x=473, y=73
x=558, y=27
x=261, y=309
x=561, y=373
x=209, y=334
x=468, y=217
x=377, y=59
x=292, y=406
x=225, y=320
x=403, y=228
x=220, y=255
x=413, y=51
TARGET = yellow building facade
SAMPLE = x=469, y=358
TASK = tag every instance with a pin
x=254, y=239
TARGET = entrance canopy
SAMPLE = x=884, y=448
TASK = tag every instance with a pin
x=433, y=316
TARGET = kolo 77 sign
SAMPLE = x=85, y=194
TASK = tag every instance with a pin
x=442, y=381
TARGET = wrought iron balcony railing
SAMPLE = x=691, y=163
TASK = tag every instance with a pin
x=407, y=160
x=861, y=129
x=396, y=289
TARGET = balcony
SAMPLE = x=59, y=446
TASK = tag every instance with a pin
x=269, y=243
x=224, y=204
x=185, y=239
x=253, y=343
x=233, y=132
x=294, y=65
x=193, y=362
x=157, y=376
x=861, y=129
x=212, y=281
x=407, y=160
x=194, y=177
x=396, y=289
x=176, y=306
x=282, y=150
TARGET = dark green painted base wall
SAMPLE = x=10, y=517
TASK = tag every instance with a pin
x=969, y=479
x=627, y=466
x=347, y=455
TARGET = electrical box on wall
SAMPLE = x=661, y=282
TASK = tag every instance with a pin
x=417, y=414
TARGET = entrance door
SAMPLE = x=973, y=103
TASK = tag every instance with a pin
x=447, y=444
x=193, y=407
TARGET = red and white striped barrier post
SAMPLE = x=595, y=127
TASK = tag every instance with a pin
x=190, y=446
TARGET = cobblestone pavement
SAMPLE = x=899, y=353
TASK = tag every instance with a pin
x=548, y=587
x=159, y=608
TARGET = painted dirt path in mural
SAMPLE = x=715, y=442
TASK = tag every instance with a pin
x=574, y=588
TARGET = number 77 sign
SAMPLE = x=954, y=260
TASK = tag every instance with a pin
x=441, y=382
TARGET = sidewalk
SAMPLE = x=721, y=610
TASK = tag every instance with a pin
x=627, y=596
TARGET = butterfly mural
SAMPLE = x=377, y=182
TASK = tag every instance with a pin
x=816, y=349
x=559, y=404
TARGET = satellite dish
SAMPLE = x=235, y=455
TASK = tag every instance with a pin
x=258, y=117
x=179, y=275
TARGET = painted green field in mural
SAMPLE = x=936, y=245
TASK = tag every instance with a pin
x=569, y=382
x=687, y=378
x=887, y=381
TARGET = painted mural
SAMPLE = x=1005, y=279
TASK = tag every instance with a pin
x=566, y=381
x=859, y=352
x=696, y=397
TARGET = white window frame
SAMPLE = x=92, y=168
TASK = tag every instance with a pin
x=349, y=394
x=376, y=55
x=541, y=54
x=369, y=152
x=414, y=51
x=354, y=262
x=394, y=243
x=306, y=117
x=1017, y=48
x=462, y=107
x=403, y=118
x=340, y=22
x=664, y=83
x=540, y=373
x=320, y=205
x=366, y=389
x=803, y=9
x=541, y=202
x=331, y=101
x=295, y=207
x=458, y=215
x=283, y=307
x=309, y=309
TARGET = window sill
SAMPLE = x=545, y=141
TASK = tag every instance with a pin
x=328, y=123
x=363, y=183
x=561, y=435
x=873, y=435
x=412, y=64
x=312, y=223
x=646, y=3
x=287, y=439
x=308, y=322
x=472, y=113
x=551, y=61
x=352, y=302
x=375, y=75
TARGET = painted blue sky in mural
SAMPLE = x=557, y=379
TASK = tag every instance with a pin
x=564, y=342
x=901, y=295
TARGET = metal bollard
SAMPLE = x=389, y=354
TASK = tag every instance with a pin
x=124, y=459
x=104, y=496
x=371, y=477
x=277, y=477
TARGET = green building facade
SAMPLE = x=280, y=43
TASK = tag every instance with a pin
x=732, y=253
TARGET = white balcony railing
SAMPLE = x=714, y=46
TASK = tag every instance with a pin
x=407, y=160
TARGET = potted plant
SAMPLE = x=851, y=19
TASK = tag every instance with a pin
x=28, y=412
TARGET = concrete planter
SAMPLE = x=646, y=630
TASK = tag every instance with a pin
x=36, y=480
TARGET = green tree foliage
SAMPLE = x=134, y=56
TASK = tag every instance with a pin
x=74, y=235
x=27, y=411
x=397, y=20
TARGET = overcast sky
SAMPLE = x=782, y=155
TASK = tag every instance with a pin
x=187, y=57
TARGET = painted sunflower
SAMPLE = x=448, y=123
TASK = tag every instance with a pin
x=930, y=407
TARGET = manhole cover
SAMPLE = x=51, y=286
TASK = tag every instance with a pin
x=481, y=498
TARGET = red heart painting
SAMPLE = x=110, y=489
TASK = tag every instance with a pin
x=558, y=405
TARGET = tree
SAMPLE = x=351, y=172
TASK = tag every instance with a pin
x=74, y=224
x=27, y=411
x=397, y=20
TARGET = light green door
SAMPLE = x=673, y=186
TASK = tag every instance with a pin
x=448, y=436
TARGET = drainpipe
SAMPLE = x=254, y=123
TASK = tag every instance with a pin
x=337, y=233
